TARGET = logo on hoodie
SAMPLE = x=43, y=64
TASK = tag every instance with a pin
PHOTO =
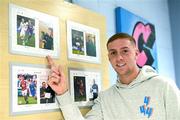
x=145, y=109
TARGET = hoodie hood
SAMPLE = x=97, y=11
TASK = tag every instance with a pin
x=146, y=73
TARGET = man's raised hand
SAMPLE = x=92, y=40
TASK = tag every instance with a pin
x=56, y=79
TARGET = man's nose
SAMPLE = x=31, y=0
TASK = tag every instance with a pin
x=119, y=57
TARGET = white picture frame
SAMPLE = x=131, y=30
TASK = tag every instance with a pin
x=84, y=86
x=29, y=92
x=33, y=33
x=83, y=42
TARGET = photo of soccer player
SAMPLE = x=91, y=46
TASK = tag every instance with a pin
x=84, y=86
x=46, y=40
x=90, y=44
x=79, y=88
x=47, y=95
x=77, y=42
x=33, y=33
x=94, y=90
x=25, y=31
x=83, y=42
x=27, y=89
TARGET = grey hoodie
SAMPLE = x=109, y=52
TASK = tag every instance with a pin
x=148, y=97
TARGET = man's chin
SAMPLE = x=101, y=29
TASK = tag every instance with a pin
x=121, y=72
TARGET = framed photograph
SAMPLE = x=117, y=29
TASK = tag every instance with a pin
x=83, y=42
x=33, y=33
x=84, y=86
x=29, y=90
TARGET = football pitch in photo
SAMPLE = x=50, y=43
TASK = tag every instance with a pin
x=27, y=41
x=31, y=100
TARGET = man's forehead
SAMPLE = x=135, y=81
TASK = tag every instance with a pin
x=121, y=40
x=124, y=42
x=120, y=44
x=118, y=48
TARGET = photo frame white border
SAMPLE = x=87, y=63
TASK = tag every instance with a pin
x=14, y=48
x=85, y=29
x=88, y=74
x=32, y=108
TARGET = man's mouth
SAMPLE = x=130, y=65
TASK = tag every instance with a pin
x=120, y=65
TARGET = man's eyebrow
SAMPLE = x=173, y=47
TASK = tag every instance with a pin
x=112, y=49
x=125, y=48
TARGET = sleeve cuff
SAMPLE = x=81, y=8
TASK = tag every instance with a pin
x=64, y=99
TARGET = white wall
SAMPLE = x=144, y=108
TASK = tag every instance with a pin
x=155, y=11
x=175, y=28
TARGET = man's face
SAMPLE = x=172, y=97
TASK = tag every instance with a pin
x=50, y=32
x=122, y=55
x=44, y=85
x=21, y=77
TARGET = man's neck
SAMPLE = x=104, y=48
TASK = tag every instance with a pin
x=127, y=79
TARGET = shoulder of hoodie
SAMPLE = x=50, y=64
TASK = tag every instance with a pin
x=109, y=92
x=166, y=81
x=162, y=80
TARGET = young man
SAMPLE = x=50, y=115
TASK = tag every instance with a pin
x=47, y=95
x=24, y=86
x=139, y=94
x=48, y=39
x=94, y=90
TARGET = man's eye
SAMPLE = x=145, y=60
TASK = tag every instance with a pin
x=125, y=51
x=113, y=53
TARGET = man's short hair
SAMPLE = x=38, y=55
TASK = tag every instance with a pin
x=121, y=35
